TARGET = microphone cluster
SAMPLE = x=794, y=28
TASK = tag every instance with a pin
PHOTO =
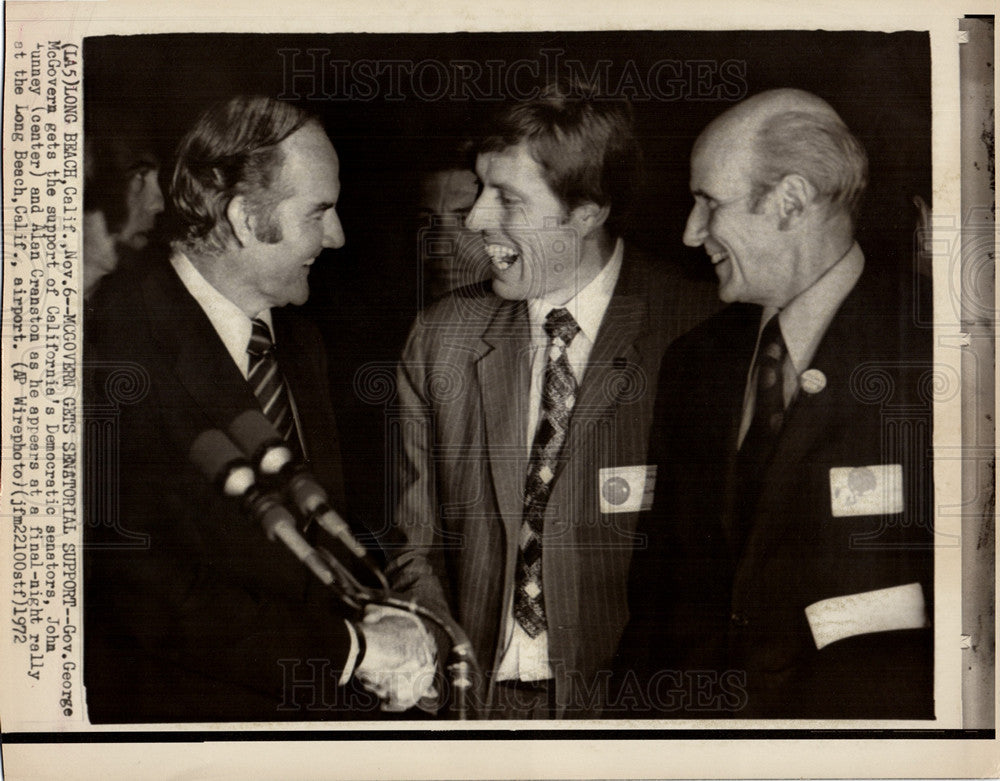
x=254, y=465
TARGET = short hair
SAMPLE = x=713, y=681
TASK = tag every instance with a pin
x=584, y=143
x=231, y=150
x=817, y=146
x=111, y=161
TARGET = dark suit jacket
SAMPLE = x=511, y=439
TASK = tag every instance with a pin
x=189, y=608
x=463, y=390
x=720, y=631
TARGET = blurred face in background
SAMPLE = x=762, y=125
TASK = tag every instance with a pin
x=143, y=202
x=451, y=256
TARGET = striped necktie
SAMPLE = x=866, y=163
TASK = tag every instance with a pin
x=769, y=401
x=765, y=426
x=269, y=385
x=558, y=397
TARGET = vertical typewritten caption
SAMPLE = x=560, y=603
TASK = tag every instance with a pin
x=41, y=383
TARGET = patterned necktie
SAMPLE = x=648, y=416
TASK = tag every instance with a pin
x=269, y=385
x=558, y=396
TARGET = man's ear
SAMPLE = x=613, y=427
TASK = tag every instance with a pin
x=588, y=217
x=795, y=195
x=241, y=220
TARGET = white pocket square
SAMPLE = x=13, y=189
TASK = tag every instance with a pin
x=883, y=610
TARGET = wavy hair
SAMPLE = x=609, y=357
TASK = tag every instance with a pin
x=584, y=143
x=232, y=149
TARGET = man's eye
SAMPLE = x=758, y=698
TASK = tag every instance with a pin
x=506, y=200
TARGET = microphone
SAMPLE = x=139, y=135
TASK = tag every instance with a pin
x=268, y=451
x=222, y=464
x=225, y=467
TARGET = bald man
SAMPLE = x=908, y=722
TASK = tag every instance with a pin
x=787, y=569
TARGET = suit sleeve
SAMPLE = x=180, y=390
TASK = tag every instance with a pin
x=647, y=636
x=417, y=563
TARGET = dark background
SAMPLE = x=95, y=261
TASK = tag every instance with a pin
x=365, y=295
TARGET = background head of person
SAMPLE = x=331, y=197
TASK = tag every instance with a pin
x=777, y=182
x=254, y=192
x=122, y=198
x=557, y=175
x=450, y=255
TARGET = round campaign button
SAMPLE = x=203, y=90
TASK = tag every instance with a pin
x=812, y=380
x=616, y=490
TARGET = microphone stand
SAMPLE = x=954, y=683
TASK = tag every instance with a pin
x=335, y=576
x=464, y=661
x=224, y=465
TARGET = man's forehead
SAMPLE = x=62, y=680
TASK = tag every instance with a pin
x=718, y=157
x=515, y=160
x=308, y=157
x=513, y=167
x=310, y=139
x=486, y=163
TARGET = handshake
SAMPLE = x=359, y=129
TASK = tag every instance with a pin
x=396, y=660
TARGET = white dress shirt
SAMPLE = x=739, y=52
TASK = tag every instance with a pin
x=232, y=326
x=229, y=321
x=526, y=658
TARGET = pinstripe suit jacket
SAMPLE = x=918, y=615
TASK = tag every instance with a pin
x=463, y=391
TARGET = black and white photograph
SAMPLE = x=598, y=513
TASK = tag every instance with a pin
x=618, y=383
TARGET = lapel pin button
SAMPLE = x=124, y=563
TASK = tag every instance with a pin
x=616, y=490
x=812, y=381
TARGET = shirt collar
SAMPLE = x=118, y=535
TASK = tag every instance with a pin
x=589, y=304
x=806, y=317
x=228, y=320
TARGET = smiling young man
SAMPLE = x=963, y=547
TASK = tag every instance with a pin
x=191, y=613
x=524, y=410
x=789, y=571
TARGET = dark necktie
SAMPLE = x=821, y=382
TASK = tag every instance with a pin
x=558, y=397
x=269, y=386
x=768, y=418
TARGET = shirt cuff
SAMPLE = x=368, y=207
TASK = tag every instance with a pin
x=353, y=655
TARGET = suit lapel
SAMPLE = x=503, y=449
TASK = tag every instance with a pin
x=726, y=375
x=614, y=369
x=302, y=370
x=200, y=360
x=810, y=416
x=504, y=372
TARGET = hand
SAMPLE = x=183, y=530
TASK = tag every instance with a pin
x=399, y=661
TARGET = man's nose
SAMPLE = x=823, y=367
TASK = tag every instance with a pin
x=156, y=199
x=481, y=216
x=333, y=231
x=697, y=226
